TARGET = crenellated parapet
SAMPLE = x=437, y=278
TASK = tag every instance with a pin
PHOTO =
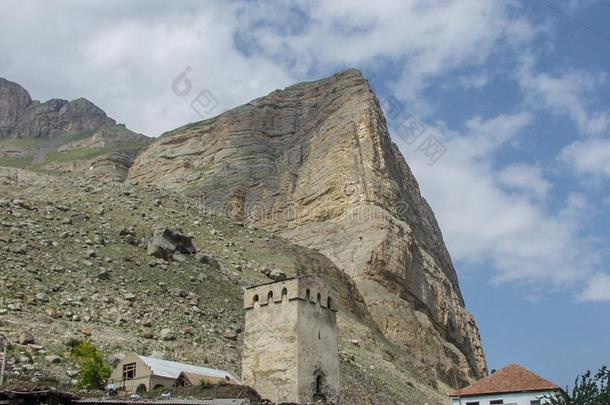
x=307, y=289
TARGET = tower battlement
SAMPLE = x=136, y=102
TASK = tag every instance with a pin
x=290, y=341
x=306, y=289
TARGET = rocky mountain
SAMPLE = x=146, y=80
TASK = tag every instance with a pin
x=60, y=135
x=24, y=117
x=315, y=164
x=305, y=180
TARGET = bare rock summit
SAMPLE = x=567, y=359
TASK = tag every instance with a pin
x=63, y=136
x=315, y=163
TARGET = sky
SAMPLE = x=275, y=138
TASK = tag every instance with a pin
x=514, y=94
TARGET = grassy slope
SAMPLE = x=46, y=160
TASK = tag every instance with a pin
x=32, y=146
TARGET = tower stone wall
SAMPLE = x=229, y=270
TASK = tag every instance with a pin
x=290, y=341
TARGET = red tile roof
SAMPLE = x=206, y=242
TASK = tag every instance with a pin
x=512, y=378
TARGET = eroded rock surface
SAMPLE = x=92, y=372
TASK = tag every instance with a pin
x=315, y=163
x=63, y=136
x=21, y=115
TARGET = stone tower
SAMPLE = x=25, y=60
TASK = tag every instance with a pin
x=290, y=341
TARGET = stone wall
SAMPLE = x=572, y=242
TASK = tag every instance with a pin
x=318, y=359
x=269, y=360
x=290, y=341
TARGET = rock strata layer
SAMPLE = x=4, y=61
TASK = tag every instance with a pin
x=315, y=163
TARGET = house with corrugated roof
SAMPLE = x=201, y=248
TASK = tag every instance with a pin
x=512, y=385
x=140, y=374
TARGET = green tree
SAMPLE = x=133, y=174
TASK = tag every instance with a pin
x=588, y=389
x=94, y=371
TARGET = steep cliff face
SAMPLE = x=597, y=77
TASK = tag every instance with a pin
x=315, y=163
x=61, y=135
x=14, y=100
x=20, y=116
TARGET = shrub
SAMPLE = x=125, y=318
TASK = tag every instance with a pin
x=94, y=371
x=588, y=389
x=72, y=343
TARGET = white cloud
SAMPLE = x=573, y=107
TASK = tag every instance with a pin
x=124, y=57
x=597, y=289
x=487, y=135
x=588, y=158
x=422, y=38
x=486, y=224
x=566, y=93
x=475, y=81
x=525, y=178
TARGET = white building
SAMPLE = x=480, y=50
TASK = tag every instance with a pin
x=512, y=385
x=140, y=374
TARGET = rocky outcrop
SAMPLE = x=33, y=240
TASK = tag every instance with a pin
x=315, y=163
x=19, y=177
x=110, y=154
x=22, y=117
x=14, y=101
x=167, y=242
x=63, y=136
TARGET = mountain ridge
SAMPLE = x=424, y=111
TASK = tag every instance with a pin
x=61, y=135
x=315, y=163
x=312, y=164
x=24, y=117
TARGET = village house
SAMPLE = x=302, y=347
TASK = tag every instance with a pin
x=139, y=374
x=512, y=385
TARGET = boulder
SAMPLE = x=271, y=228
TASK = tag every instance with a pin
x=115, y=358
x=274, y=274
x=72, y=373
x=52, y=312
x=179, y=257
x=178, y=292
x=167, y=334
x=166, y=242
x=42, y=297
x=103, y=275
x=26, y=338
x=52, y=359
x=208, y=259
x=230, y=334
